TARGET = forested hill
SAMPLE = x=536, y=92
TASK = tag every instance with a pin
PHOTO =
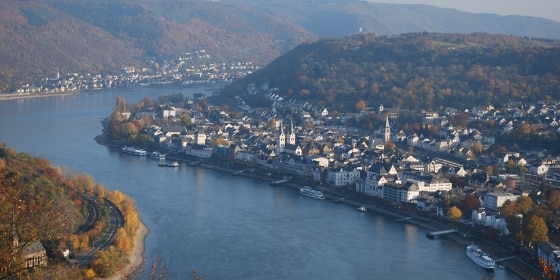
x=419, y=70
x=51, y=205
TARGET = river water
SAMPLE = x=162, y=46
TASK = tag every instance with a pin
x=225, y=226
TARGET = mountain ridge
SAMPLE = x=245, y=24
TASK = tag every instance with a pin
x=40, y=37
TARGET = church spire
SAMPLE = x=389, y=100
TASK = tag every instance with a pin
x=292, y=139
x=387, y=136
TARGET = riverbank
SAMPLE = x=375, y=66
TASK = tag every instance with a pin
x=136, y=257
x=8, y=96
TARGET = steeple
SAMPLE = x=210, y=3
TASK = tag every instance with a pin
x=387, y=136
x=282, y=137
x=292, y=139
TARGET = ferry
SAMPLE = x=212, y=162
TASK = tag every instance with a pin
x=312, y=193
x=133, y=151
x=479, y=257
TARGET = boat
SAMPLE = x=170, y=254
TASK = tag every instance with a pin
x=311, y=193
x=168, y=164
x=479, y=257
x=133, y=151
x=157, y=155
x=362, y=209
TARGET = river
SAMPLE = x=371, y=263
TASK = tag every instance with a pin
x=225, y=226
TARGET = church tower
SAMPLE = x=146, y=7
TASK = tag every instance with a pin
x=387, y=135
x=281, y=138
x=292, y=139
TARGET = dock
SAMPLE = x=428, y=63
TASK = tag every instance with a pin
x=434, y=234
x=404, y=219
x=505, y=259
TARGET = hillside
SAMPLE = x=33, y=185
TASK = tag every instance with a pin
x=417, y=70
x=337, y=18
x=47, y=207
x=40, y=37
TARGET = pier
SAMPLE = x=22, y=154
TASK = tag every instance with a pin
x=505, y=259
x=404, y=219
x=434, y=234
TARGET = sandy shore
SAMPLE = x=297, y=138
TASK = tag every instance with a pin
x=136, y=257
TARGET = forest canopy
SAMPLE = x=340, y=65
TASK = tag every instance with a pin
x=417, y=70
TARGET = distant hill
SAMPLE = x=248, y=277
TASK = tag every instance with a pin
x=415, y=70
x=39, y=37
x=337, y=18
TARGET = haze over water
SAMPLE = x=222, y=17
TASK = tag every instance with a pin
x=225, y=226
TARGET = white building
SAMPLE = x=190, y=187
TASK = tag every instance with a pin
x=494, y=201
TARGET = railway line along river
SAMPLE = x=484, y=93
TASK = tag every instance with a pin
x=225, y=226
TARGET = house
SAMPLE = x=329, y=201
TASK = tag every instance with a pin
x=32, y=254
x=538, y=170
x=551, y=254
x=406, y=192
x=494, y=201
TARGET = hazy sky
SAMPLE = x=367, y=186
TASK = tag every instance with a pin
x=538, y=8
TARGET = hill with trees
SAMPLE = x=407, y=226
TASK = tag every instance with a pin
x=38, y=38
x=42, y=206
x=416, y=70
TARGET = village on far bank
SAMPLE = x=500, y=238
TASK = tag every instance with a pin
x=455, y=172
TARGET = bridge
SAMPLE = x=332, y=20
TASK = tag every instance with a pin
x=434, y=234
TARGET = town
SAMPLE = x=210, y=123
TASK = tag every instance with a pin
x=439, y=176
x=194, y=67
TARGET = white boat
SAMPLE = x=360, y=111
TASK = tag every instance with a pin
x=362, y=209
x=479, y=257
x=168, y=164
x=311, y=193
x=133, y=151
x=157, y=155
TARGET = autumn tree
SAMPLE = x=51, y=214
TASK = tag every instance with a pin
x=120, y=106
x=554, y=199
x=128, y=130
x=524, y=204
x=360, y=105
x=536, y=231
x=469, y=203
x=454, y=213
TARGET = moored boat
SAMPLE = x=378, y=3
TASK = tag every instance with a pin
x=168, y=164
x=480, y=257
x=133, y=151
x=362, y=209
x=157, y=155
x=307, y=191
